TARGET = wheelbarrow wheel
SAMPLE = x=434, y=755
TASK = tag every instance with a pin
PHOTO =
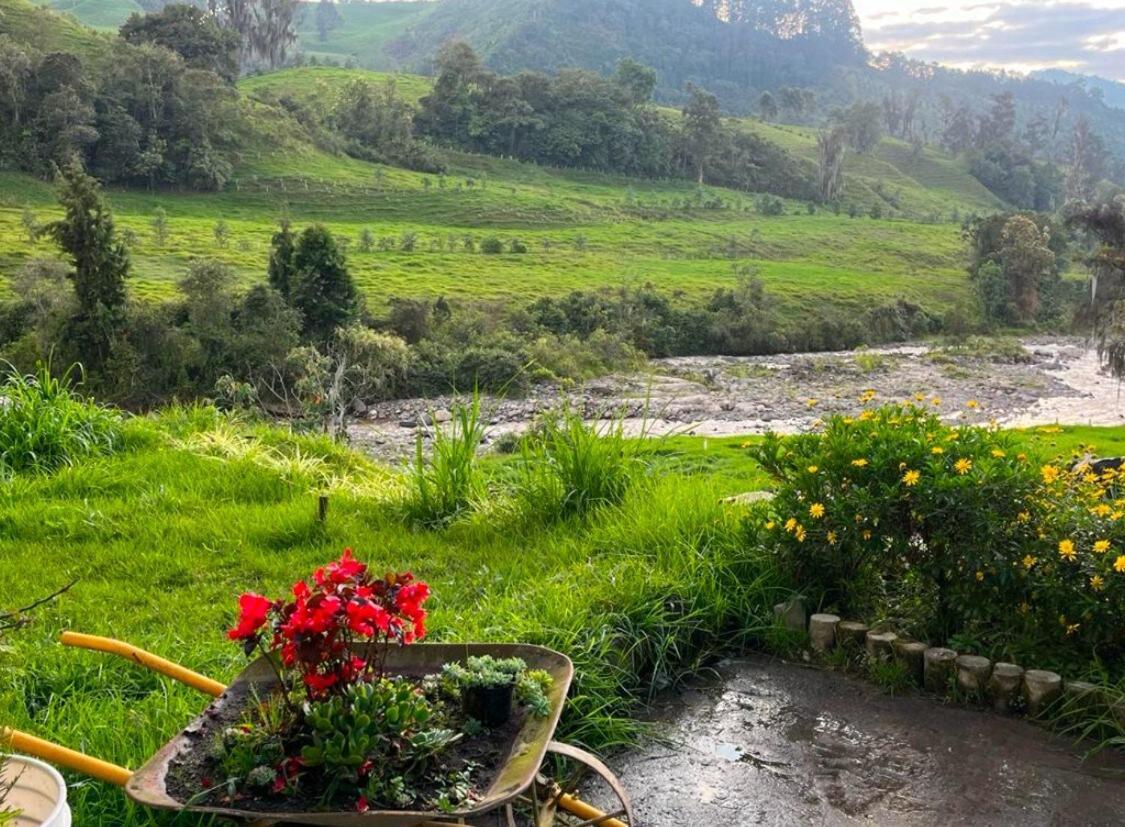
x=568, y=772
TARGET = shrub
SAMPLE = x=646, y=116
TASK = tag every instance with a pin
x=879, y=502
x=492, y=246
x=446, y=484
x=44, y=425
x=954, y=533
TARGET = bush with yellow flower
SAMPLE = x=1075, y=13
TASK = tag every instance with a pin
x=954, y=532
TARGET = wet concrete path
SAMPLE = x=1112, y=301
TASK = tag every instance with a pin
x=778, y=744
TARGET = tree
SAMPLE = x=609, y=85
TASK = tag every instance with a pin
x=159, y=226
x=637, y=79
x=998, y=126
x=15, y=73
x=274, y=30
x=30, y=224
x=1025, y=260
x=322, y=289
x=189, y=32
x=862, y=125
x=1105, y=222
x=101, y=262
x=832, y=147
x=797, y=102
x=327, y=18
x=767, y=107
x=280, y=270
x=702, y=127
x=1087, y=163
x=221, y=232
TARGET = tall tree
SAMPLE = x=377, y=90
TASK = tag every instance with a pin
x=322, y=289
x=191, y=33
x=101, y=263
x=1026, y=260
x=1105, y=222
x=767, y=107
x=281, y=268
x=327, y=18
x=702, y=128
x=1088, y=161
x=832, y=147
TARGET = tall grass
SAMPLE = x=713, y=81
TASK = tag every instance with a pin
x=45, y=425
x=445, y=484
x=570, y=468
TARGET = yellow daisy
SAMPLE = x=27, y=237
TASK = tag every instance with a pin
x=1067, y=551
x=911, y=478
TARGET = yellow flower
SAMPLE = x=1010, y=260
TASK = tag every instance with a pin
x=1101, y=546
x=813, y=469
x=980, y=576
x=812, y=403
x=1090, y=479
x=937, y=450
x=1024, y=517
x=816, y=511
x=859, y=463
x=1029, y=562
x=866, y=416
x=1119, y=564
x=1050, y=473
x=919, y=397
x=746, y=445
x=1097, y=582
x=1072, y=628
x=791, y=524
x=936, y=401
x=832, y=538
x=771, y=525
x=998, y=454
x=1067, y=550
x=1102, y=510
x=911, y=478
x=972, y=405
x=867, y=536
x=963, y=466
x=1021, y=457
x=800, y=534
x=1025, y=607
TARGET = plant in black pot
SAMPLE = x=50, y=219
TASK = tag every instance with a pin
x=487, y=686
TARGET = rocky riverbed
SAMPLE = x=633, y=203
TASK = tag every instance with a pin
x=1029, y=382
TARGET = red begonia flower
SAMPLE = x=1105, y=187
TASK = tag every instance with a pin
x=253, y=612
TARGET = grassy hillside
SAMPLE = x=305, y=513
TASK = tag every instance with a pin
x=100, y=14
x=583, y=230
x=45, y=29
x=364, y=30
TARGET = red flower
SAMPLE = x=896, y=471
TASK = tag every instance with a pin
x=319, y=684
x=345, y=569
x=361, y=805
x=253, y=612
x=365, y=618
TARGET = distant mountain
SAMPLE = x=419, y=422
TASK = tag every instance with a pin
x=1112, y=91
x=732, y=47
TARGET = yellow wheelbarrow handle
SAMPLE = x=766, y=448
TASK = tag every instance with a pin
x=61, y=756
x=148, y=660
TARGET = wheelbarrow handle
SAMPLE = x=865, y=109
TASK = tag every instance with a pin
x=61, y=756
x=146, y=659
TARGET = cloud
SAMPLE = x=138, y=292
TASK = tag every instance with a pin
x=1016, y=34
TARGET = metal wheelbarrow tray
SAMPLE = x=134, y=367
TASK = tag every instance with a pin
x=516, y=779
x=525, y=752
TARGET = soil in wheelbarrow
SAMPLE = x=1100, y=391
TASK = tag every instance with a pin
x=196, y=777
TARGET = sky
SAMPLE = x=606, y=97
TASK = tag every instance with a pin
x=1086, y=36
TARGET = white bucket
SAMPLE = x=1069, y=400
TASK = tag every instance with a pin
x=39, y=793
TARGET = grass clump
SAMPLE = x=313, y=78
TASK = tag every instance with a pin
x=45, y=425
x=570, y=467
x=445, y=484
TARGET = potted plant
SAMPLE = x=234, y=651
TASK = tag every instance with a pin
x=488, y=684
x=33, y=793
x=335, y=717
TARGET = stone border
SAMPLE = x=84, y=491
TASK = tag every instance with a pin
x=937, y=669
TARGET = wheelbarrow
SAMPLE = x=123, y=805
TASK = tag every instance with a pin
x=518, y=789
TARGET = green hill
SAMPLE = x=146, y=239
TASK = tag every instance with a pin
x=100, y=14
x=45, y=29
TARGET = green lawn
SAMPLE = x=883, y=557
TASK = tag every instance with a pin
x=162, y=537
